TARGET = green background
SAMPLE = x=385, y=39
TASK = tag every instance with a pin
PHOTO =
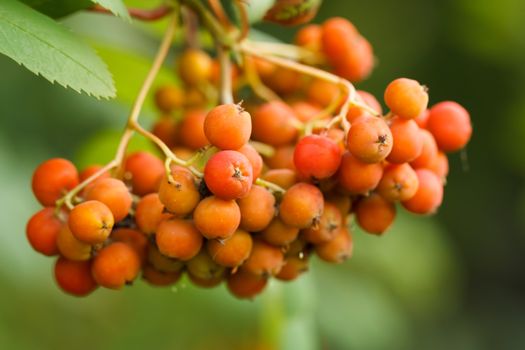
x=453, y=281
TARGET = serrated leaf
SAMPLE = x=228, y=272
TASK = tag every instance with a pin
x=116, y=7
x=47, y=48
x=58, y=8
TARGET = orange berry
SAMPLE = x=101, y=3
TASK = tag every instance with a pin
x=429, y=195
x=257, y=209
x=408, y=143
x=74, y=277
x=358, y=177
x=159, y=278
x=91, y=170
x=245, y=285
x=323, y=92
x=70, y=247
x=42, y=231
x=161, y=262
x=335, y=32
x=282, y=158
x=255, y=159
x=274, y=124
x=284, y=81
x=265, y=260
x=167, y=130
x=179, y=194
x=114, y=194
x=144, y=171
x=91, y=222
x=135, y=239
x=399, y=183
x=228, y=175
x=370, y=139
x=310, y=37
x=217, y=218
x=178, y=239
x=338, y=249
x=406, y=98
x=429, y=151
x=329, y=224
x=450, y=124
x=195, y=66
x=53, y=179
x=191, y=131
x=284, y=178
x=317, y=157
x=116, y=265
x=302, y=205
x=375, y=214
x=306, y=111
x=149, y=213
x=279, y=234
x=357, y=60
x=440, y=166
x=203, y=268
x=293, y=267
x=228, y=126
x=169, y=98
x=231, y=252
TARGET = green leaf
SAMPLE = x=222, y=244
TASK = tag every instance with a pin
x=58, y=8
x=46, y=48
x=116, y=7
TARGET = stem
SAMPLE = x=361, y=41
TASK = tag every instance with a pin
x=140, y=14
x=219, y=12
x=132, y=119
x=245, y=22
x=289, y=51
x=255, y=82
x=271, y=186
x=226, y=94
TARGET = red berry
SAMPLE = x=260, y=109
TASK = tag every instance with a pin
x=53, y=179
x=74, y=277
x=228, y=175
x=450, y=124
x=429, y=195
x=42, y=231
x=317, y=157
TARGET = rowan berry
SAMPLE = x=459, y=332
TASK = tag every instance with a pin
x=302, y=205
x=169, y=98
x=70, y=247
x=135, y=239
x=406, y=98
x=284, y=178
x=167, y=130
x=231, y=252
x=293, y=267
x=408, y=143
x=370, y=139
x=217, y=218
x=282, y=158
x=161, y=262
x=329, y=224
x=279, y=234
x=257, y=209
x=450, y=125
x=375, y=214
x=178, y=193
x=358, y=177
x=245, y=285
x=53, y=179
x=265, y=260
x=42, y=231
x=338, y=249
x=116, y=265
x=274, y=124
x=228, y=126
x=91, y=170
x=429, y=151
x=204, y=268
x=310, y=37
x=191, y=131
x=113, y=193
x=255, y=159
x=317, y=157
x=429, y=195
x=91, y=222
x=228, y=175
x=149, y=213
x=74, y=277
x=399, y=183
x=144, y=171
x=178, y=239
x=160, y=278
x=195, y=66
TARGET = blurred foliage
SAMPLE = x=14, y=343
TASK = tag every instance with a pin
x=450, y=282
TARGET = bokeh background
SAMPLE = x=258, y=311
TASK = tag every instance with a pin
x=453, y=281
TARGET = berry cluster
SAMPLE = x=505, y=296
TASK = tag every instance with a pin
x=245, y=195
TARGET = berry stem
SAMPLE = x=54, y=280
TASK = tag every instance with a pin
x=219, y=12
x=270, y=186
x=262, y=148
x=245, y=22
x=146, y=15
x=226, y=94
x=255, y=82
